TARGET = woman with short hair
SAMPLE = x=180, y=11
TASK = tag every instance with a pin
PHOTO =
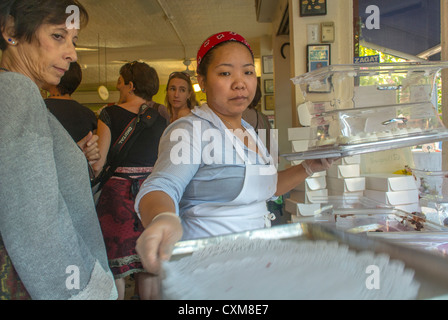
x=51, y=245
x=138, y=83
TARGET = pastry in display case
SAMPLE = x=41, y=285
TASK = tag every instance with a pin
x=355, y=109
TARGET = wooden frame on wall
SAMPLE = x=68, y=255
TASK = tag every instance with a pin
x=318, y=56
x=269, y=86
x=313, y=8
x=269, y=102
x=268, y=64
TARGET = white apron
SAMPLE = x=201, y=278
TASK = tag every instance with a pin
x=248, y=211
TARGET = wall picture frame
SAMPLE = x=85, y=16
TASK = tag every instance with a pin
x=313, y=8
x=268, y=64
x=318, y=56
x=269, y=102
x=269, y=86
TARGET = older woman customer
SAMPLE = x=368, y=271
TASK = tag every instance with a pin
x=51, y=245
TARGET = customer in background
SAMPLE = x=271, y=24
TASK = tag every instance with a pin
x=258, y=120
x=77, y=119
x=180, y=95
x=51, y=245
x=196, y=197
x=138, y=83
x=127, y=94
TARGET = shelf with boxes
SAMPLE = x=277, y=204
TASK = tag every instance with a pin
x=354, y=109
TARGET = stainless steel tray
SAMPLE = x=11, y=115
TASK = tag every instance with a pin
x=337, y=151
x=431, y=270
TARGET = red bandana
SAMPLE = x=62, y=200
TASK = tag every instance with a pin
x=218, y=38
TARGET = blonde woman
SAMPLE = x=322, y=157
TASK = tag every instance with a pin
x=180, y=96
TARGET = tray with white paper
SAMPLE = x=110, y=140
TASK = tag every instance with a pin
x=430, y=270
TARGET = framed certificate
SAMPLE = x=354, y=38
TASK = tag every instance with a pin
x=268, y=64
x=269, y=102
x=269, y=86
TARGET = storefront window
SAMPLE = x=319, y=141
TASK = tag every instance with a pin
x=399, y=31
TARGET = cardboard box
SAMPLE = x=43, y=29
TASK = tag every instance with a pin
x=349, y=160
x=344, y=171
x=299, y=146
x=316, y=174
x=390, y=182
x=312, y=184
x=393, y=198
x=308, y=197
x=342, y=194
x=409, y=208
x=301, y=133
x=300, y=209
x=347, y=185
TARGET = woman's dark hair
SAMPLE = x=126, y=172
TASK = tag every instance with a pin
x=71, y=79
x=257, y=98
x=144, y=78
x=29, y=15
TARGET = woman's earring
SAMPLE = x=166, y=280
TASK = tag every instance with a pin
x=12, y=41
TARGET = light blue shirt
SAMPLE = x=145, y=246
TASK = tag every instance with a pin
x=196, y=167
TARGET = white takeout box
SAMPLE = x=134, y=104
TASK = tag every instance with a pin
x=301, y=133
x=301, y=209
x=356, y=159
x=342, y=194
x=300, y=145
x=390, y=182
x=347, y=184
x=344, y=171
x=393, y=198
x=312, y=184
x=308, y=197
x=315, y=175
x=409, y=208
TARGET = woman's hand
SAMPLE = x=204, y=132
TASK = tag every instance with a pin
x=89, y=146
x=317, y=165
x=156, y=243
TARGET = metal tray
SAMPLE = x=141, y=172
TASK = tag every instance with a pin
x=338, y=151
x=431, y=270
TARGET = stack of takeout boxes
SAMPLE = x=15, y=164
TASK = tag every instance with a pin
x=344, y=178
x=305, y=199
x=398, y=191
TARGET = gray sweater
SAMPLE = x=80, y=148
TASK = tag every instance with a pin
x=48, y=221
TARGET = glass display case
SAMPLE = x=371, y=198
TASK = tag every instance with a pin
x=355, y=109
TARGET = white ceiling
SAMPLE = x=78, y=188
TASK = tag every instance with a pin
x=162, y=33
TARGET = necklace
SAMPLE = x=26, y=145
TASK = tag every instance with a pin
x=4, y=69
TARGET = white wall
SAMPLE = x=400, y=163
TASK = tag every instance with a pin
x=287, y=96
x=339, y=12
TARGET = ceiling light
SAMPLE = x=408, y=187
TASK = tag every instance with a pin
x=197, y=87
